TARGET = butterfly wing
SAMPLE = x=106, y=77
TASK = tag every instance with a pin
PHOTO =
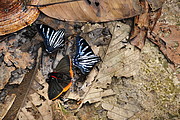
x=63, y=65
x=85, y=58
x=52, y=39
x=58, y=84
x=60, y=80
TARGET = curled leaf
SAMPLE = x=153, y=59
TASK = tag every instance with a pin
x=91, y=10
x=14, y=15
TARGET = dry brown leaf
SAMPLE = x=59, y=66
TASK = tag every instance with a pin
x=120, y=60
x=143, y=23
x=5, y=74
x=22, y=91
x=37, y=101
x=117, y=62
x=117, y=113
x=91, y=10
x=95, y=10
x=167, y=38
x=95, y=95
x=155, y=4
x=37, y=105
x=19, y=59
x=71, y=28
x=6, y=105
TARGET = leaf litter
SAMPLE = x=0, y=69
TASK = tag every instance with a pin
x=6, y=105
x=22, y=92
x=139, y=85
x=128, y=96
x=115, y=86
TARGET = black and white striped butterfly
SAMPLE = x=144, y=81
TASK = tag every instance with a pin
x=85, y=58
x=52, y=39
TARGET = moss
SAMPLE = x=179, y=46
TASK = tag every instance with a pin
x=157, y=76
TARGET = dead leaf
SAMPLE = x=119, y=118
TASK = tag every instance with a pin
x=117, y=60
x=22, y=91
x=5, y=74
x=18, y=58
x=94, y=11
x=141, y=24
x=155, y=4
x=6, y=105
x=154, y=17
x=144, y=23
x=167, y=38
x=96, y=95
x=117, y=113
x=96, y=34
x=37, y=104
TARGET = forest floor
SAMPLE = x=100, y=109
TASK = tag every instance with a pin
x=128, y=83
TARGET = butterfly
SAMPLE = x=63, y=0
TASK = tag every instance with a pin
x=52, y=39
x=61, y=79
x=85, y=59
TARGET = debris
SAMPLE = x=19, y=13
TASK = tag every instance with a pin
x=117, y=113
x=23, y=91
x=167, y=39
x=17, y=76
x=5, y=74
x=19, y=59
x=6, y=105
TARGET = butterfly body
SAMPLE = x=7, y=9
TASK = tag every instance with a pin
x=52, y=39
x=85, y=58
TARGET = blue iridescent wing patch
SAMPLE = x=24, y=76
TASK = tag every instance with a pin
x=85, y=59
x=52, y=39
